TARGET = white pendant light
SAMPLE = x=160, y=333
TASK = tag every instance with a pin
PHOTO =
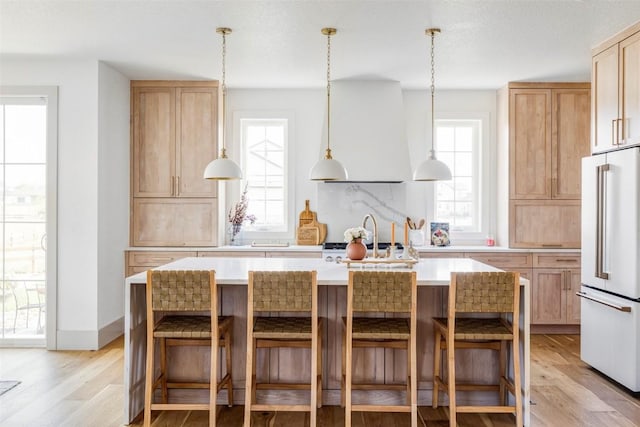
x=328, y=168
x=223, y=168
x=432, y=169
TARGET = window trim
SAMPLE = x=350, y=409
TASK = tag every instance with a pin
x=487, y=175
x=289, y=172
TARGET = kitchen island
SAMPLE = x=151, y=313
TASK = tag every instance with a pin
x=290, y=365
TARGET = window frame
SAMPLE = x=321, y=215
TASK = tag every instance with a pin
x=485, y=189
x=50, y=94
x=266, y=235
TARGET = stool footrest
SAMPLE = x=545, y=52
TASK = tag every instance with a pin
x=380, y=408
x=487, y=409
x=287, y=408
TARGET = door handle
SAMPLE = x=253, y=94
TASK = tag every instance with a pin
x=177, y=185
x=600, y=231
x=622, y=308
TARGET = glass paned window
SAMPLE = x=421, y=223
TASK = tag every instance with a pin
x=458, y=201
x=264, y=153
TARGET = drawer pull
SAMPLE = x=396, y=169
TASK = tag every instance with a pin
x=549, y=245
x=566, y=260
x=625, y=309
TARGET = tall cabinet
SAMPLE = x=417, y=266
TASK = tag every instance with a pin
x=174, y=128
x=548, y=132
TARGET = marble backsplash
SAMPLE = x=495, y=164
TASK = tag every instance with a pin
x=344, y=205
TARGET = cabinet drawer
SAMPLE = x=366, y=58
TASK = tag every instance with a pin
x=441, y=254
x=154, y=259
x=294, y=254
x=233, y=254
x=556, y=260
x=502, y=260
x=131, y=270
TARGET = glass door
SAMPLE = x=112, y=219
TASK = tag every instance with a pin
x=23, y=216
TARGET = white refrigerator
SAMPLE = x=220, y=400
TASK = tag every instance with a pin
x=610, y=291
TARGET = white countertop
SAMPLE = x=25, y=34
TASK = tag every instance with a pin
x=234, y=271
x=318, y=248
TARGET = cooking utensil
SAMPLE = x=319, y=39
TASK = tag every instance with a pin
x=421, y=224
x=411, y=223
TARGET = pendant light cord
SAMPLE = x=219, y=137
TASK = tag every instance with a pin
x=328, y=155
x=223, y=153
x=433, y=93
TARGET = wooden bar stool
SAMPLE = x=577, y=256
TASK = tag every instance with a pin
x=497, y=293
x=380, y=292
x=277, y=292
x=168, y=294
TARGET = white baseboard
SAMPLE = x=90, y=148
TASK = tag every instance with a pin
x=110, y=332
x=90, y=340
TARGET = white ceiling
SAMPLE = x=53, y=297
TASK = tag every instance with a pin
x=484, y=43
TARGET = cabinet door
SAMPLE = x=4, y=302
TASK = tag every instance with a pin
x=604, y=100
x=196, y=142
x=153, y=141
x=630, y=90
x=530, y=143
x=174, y=222
x=572, y=280
x=544, y=224
x=569, y=140
x=548, y=297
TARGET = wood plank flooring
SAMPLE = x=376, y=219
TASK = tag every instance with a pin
x=84, y=388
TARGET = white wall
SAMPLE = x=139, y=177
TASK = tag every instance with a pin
x=113, y=198
x=308, y=107
x=78, y=165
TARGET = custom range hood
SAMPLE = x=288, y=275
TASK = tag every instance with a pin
x=368, y=130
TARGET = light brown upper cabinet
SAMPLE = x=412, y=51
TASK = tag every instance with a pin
x=616, y=91
x=174, y=130
x=174, y=134
x=548, y=136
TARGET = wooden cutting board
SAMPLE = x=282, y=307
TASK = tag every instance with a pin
x=308, y=235
x=307, y=215
x=310, y=231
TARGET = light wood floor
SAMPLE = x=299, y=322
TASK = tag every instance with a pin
x=84, y=388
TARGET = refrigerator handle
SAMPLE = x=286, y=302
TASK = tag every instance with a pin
x=623, y=308
x=600, y=228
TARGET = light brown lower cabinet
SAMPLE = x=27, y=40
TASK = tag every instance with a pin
x=139, y=261
x=553, y=299
x=556, y=279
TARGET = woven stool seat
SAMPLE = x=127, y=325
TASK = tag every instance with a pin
x=379, y=328
x=282, y=327
x=187, y=326
x=478, y=329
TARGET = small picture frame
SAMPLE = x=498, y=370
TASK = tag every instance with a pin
x=440, y=234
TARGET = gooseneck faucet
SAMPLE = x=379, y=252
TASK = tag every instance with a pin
x=375, y=232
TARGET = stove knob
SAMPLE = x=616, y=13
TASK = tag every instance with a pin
x=338, y=258
x=329, y=258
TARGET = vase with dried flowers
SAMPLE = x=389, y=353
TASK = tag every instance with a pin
x=238, y=216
